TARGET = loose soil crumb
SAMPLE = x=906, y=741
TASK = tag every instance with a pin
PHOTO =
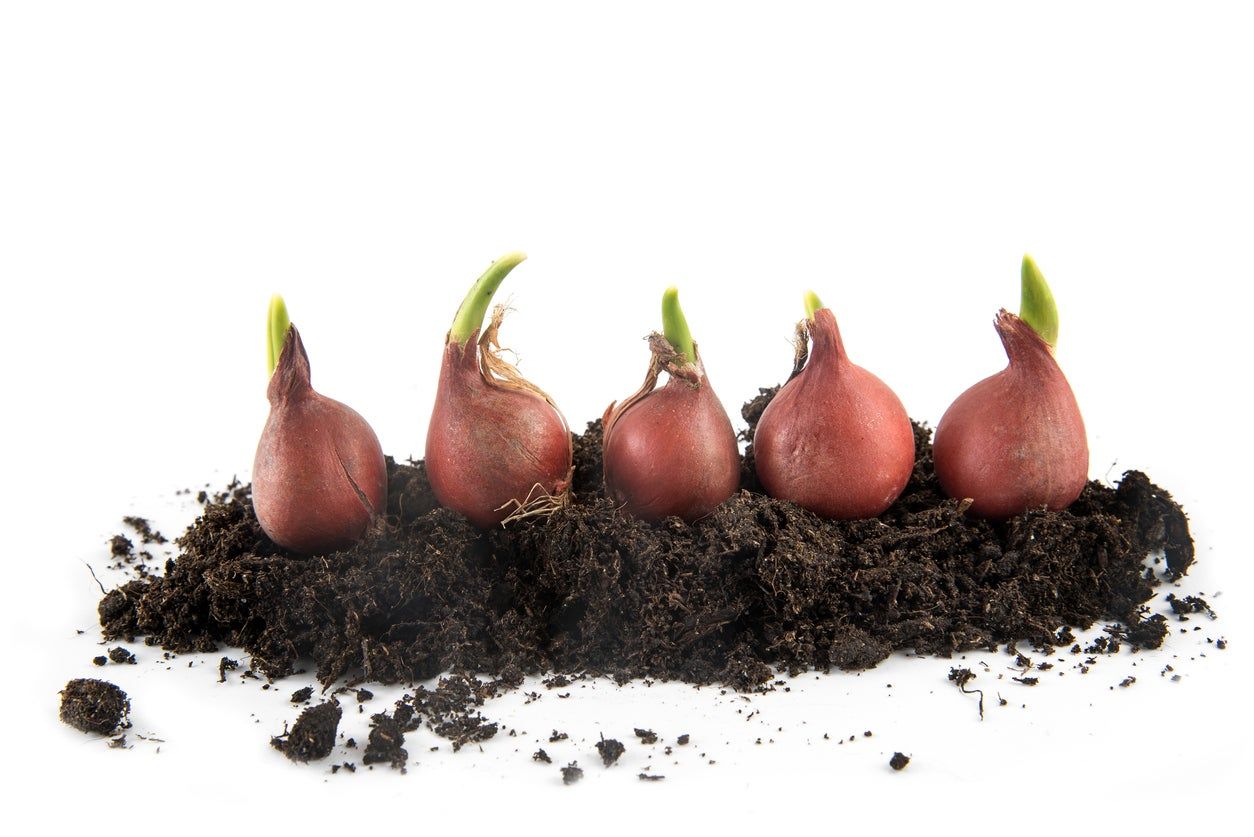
x=312, y=736
x=645, y=777
x=387, y=735
x=541, y=756
x=899, y=761
x=646, y=736
x=610, y=750
x=122, y=656
x=302, y=695
x=96, y=706
x=571, y=773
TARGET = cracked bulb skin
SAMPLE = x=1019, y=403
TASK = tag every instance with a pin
x=488, y=445
x=319, y=475
x=1016, y=440
x=835, y=439
x=673, y=453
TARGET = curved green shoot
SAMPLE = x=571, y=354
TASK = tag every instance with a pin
x=1036, y=306
x=277, y=324
x=470, y=315
x=675, y=325
x=813, y=303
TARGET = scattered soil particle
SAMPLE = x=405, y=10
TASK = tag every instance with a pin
x=610, y=750
x=1027, y=681
x=364, y=695
x=646, y=777
x=1127, y=681
x=312, y=737
x=899, y=761
x=302, y=695
x=147, y=534
x=120, y=546
x=100, y=661
x=95, y=706
x=683, y=739
x=571, y=773
x=121, y=655
x=541, y=756
x=557, y=736
x=451, y=708
x=646, y=736
x=387, y=737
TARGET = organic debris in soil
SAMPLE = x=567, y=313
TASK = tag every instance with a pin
x=758, y=584
x=96, y=706
x=313, y=735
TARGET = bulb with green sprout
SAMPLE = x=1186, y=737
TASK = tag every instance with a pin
x=834, y=439
x=497, y=446
x=319, y=476
x=670, y=450
x=1016, y=441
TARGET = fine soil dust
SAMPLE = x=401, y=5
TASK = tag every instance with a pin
x=758, y=584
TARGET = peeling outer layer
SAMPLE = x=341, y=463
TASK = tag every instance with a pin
x=1016, y=440
x=319, y=476
x=835, y=440
x=670, y=451
x=497, y=448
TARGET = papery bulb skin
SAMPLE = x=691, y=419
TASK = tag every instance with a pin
x=1015, y=441
x=835, y=439
x=672, y=452
x=319, y=476
x=492, y=449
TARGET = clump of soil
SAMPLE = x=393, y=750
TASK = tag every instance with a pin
x=899, y=761
x=759, y=584
x=312, y=737
x=96, y=706
x=387, y=737
x=571, y=773
x=610, y=750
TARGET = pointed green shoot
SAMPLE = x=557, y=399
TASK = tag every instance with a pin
x=277, y=324
x=469, y=317
x=1037, y=307
x=813, y=303
x=675, y=325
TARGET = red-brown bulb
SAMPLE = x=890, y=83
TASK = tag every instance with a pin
x=670, y=451
x=319, y=476
x=1015, y=441
x=835, y=439
x=496, y=446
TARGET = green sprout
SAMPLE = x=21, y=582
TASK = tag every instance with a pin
x=277, y=324
x=675, y=325
x=813, y=303
x=470, y=315
x=1037, y=307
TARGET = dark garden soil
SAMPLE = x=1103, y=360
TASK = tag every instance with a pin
x=759, y=584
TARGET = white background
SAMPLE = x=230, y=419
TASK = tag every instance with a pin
x=165, y=167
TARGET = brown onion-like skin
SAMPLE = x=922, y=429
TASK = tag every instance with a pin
x=672, y=452
x=488, y=444
x=1015, y=441
x=835, y=439
x=319, y=477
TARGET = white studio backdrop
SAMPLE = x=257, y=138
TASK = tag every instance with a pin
x=165, y=167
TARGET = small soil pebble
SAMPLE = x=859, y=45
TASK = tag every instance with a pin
x=682, y=740
x=101, y=660
x=899, y=761
x=571, y=773
x=94, y=705
x=610, y=750
x=302, y=695
x=313, y=735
